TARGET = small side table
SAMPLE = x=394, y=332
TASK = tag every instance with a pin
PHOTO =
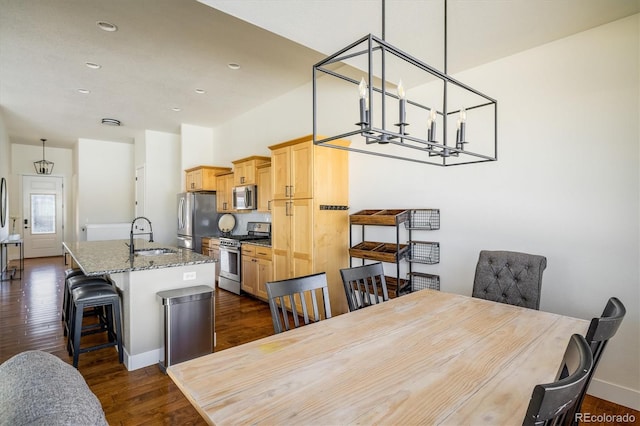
x=7, y=273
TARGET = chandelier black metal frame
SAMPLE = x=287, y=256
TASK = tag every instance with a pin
x=43, y=167
x=431, y=144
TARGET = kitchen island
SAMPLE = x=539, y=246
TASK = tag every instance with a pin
x=138, y=279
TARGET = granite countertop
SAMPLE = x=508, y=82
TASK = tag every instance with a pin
x=112, y=256
x=263, y=243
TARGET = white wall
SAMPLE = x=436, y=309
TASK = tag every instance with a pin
x=159, y=153
x=196, y=148
x=284, y=118
x=105, y=182
x=566, y=184
x=5, y=170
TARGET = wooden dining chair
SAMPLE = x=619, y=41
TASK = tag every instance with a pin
x=552, y=403
x=509, y=277
x=282, y=298
x=364, y=285
x=600, y=331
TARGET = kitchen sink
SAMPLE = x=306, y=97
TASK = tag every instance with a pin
x=154, y=252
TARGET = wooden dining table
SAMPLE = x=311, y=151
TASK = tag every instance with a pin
x=428, y=357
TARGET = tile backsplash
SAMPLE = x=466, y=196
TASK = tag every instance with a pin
x=243, y=218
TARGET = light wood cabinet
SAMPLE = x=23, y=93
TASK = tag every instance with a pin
x=224, y=201
x=257, y=269
x=249, y=271
x=245, y=170
x=264, y=188
x=310, y=231
x=292, y=168
x=211, y=248
x=265, y=274
x=291, y=238
x=203, y=178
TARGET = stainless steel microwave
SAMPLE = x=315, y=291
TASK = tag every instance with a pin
x=245, y=197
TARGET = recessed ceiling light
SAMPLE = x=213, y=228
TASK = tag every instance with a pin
x=84, y=91
x=176, y=109
x=110, y=122
x=106, y=26
x=234, y=66
x=93, y=65
x=200, y=91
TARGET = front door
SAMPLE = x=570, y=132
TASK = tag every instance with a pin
x=42, y=215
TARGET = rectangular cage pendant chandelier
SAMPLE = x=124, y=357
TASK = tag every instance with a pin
x=43, y=167
x=435, y=119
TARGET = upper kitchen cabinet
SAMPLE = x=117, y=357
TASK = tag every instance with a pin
x=310, y=224
x=292, y=167
x=203, y=178
x=224, y=202
x=265, y=194
x=245, y=170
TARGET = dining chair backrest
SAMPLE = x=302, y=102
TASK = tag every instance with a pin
x=600, y=331
x=364, y=285
x=509, y=277
x=552, y=403
x=285, y=295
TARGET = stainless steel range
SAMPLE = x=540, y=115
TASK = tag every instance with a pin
x=231, y=252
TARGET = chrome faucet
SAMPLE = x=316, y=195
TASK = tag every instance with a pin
x=150, y=233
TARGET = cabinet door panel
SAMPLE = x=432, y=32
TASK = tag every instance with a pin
x=302, y=170
x=281, y=235
x=265, y=274
x=301, y=212
x=281, y=173
x=249, y=274
x=264, y=189
x=238, y=173
x=224, y=185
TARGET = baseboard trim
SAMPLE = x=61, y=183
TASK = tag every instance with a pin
x=134, y=362
x=615, y=393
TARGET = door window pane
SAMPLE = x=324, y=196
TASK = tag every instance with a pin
x=43, y=213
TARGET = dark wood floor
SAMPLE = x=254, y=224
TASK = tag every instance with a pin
x=30, y=319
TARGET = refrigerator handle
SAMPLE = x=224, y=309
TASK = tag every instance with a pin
x=181, y=213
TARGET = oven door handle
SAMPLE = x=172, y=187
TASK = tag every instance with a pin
x=230, y=249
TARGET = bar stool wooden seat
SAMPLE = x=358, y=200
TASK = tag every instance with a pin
x=91, y=296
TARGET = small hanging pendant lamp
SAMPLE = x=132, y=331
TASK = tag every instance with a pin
x=43, y=167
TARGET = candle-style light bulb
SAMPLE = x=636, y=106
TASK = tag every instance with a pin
x=431, y=125
x=364, y=102
x=461, y=125
x=362, y=88
x=402, y=107
x=401, y=92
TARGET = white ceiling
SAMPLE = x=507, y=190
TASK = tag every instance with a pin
x=165, y=49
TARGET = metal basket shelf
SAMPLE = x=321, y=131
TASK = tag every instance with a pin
x=424, y=252
x=420, y=281
x=426, y=219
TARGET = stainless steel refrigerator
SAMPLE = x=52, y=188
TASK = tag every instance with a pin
x=197, y=218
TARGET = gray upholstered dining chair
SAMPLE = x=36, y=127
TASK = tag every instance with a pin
x=509, y=277
x=600, y=331
x=553, y=403
x=364, y=285
x=282, y=298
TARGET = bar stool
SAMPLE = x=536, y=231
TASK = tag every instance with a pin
x=91, y=296
x=97, y=311
x=71, y=283
x=68, y=273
